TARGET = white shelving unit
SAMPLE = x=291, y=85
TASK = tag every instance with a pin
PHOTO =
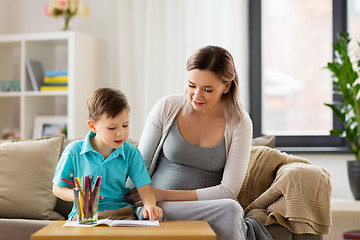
x=78, y=53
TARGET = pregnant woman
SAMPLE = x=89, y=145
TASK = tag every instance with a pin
x=197, y=147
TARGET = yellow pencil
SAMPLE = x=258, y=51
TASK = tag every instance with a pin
x=80, y=197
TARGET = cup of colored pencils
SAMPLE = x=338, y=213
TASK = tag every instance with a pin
x=87, y=199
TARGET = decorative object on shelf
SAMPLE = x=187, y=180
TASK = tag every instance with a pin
x=6, y=86
x=10, y=85
x=16, y=85
x=355, y=234
x=345, y=69
x=35, y=73
x=66, y=9
x=10, y=134
x=47, y=126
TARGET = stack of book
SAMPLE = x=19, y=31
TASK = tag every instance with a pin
x=352, y=235
x=55, y=81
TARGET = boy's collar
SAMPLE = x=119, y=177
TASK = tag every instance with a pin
x=86, y=147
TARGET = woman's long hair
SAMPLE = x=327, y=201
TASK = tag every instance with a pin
x=219, y=61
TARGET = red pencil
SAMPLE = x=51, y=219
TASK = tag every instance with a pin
x=67, y=181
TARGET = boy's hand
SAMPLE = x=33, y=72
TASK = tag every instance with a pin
x=152, y=212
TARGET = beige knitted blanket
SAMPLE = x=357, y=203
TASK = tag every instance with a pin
x=284, y=189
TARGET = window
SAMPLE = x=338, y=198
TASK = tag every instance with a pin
x=290, y=43
x=354, y=19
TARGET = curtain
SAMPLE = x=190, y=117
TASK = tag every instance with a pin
x=151, y=40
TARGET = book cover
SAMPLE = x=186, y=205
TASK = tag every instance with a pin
x=53, y=88
x=54, y=73
x=352, y=234
x=57, y=79
x=54, y=84
x=35, y=73
x=115, y=223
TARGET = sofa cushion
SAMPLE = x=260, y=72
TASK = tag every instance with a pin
x=267, y=141
x=27, y=169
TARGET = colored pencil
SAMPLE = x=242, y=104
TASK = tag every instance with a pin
x=65, y=180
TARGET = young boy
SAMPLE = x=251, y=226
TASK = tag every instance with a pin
x=104, y=152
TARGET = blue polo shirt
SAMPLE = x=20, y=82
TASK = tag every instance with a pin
x=81, y=159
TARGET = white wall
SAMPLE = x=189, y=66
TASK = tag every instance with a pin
x=4, y=16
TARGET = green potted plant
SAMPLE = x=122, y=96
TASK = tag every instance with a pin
x=345, y=72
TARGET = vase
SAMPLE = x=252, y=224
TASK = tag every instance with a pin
x=354, y=177
x=66, y=22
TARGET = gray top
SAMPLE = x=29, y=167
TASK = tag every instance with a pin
x=237, y=136
x=184, y=166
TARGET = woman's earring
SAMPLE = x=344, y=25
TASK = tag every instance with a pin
x=227, y=89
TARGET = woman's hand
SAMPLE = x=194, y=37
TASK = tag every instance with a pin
x=134, y=198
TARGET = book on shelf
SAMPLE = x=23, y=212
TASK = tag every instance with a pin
x=55, y=73
x=54, y=88
x=54, y=84
x=56, y=79
x=355, y=234
x=35, y=73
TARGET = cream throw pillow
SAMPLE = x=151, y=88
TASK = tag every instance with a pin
x=26, y=171
x=268, y=141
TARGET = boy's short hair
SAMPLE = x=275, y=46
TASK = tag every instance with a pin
x=106, y=100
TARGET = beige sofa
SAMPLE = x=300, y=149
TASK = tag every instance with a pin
x=27, y=203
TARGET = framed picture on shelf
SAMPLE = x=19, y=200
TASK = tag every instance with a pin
x=46, y=126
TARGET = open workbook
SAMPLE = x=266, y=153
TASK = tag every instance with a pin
x=115, y=223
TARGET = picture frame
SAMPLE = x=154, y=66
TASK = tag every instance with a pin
x=46, y=126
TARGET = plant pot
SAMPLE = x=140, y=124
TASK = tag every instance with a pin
x=354, y=177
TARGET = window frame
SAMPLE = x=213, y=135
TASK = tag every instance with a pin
x=303, y=143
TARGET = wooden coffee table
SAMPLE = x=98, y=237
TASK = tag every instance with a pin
x=168, y=230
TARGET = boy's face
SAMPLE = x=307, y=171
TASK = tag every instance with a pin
x=112, y=132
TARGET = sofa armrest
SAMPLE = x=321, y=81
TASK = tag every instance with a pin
x=298, y=199
x=262, y=169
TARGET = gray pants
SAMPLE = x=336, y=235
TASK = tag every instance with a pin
x=225, y=216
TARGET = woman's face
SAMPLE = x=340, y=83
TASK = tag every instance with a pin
x=205, y=90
